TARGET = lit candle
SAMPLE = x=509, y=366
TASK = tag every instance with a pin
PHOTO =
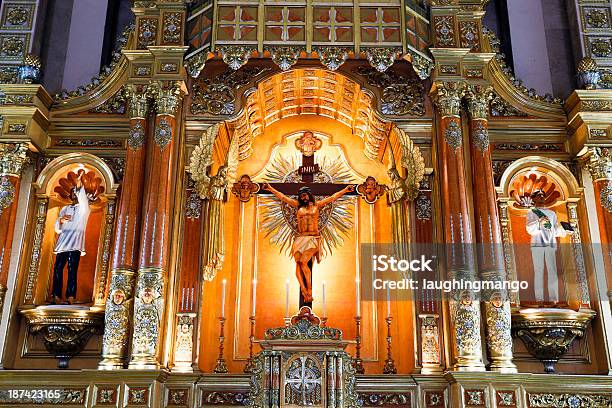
x=254, y=297
x=324, y=305
x=223, y=298
x=388, y=301
x=287, y=298
x=357, y=296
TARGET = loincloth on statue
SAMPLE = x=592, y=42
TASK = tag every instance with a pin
x=303, y=243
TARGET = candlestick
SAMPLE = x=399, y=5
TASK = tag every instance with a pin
x=358, y=362
x=389, y=362
x=223, y=298
x=324, y=304
x=287, y=298
x=248, y=368
x=388, y=301
x=220, y=365
x=254, y=297
x=357, y=297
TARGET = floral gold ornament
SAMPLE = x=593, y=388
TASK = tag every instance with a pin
x=7, y=193
x=17, y=15
x=453, y=135
x=285, y=57
x=480, y=136
x=236, y=56
x=195, y=64
x=136, y=137
x=147, y=32
x=172, y=26
x=445, y=31
x=601, y=47
x=597, y=17
x=421, y=65
x=12, y=46
x=469, y=36
x=332, y=57
x=381, y=59
x=605, y=197
x=193, y=206
x=163, y=133
x=29, y=71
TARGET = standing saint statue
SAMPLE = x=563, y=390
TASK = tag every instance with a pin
x=70, y=246
x=306, y=244
x=544, y=228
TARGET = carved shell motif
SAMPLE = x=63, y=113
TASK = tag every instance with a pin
x=91, y=182
x=525, y=186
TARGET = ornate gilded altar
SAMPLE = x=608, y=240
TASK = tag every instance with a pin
x=187, y=275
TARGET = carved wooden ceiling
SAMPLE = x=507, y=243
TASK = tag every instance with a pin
x=311, y=92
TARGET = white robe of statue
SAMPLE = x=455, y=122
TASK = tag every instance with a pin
x=71, y=233
x=544, y=251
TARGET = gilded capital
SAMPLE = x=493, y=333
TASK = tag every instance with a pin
x=447, y=97
x=167, y=96
x=478, y=98
x=138, y=96
x=599, y=163
x=13, y=158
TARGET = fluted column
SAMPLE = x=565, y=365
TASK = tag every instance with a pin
x=120, y=300
x=489, y=245
x=149, y=300
x=12, y=161
x=464, y=306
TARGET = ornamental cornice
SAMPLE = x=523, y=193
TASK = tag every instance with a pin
x=447, y=97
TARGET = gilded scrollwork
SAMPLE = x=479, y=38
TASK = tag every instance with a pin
x=549, y=400
x=172, y=27
x=400, y=95
x=430, y=341
x=332, y=57
x=453, y=135
x=285, y=57
x=444, y=27
x=381, y=59
x=147, y=32
x=163, y=133
x=136, y=136
x=236, y=56
x=183, y=344
x=217, y=96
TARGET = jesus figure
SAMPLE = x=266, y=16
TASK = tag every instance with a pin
x=306, y=244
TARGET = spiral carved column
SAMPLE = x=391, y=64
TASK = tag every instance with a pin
x=149, y=297
x=464, y=306
x=125, y=255
x=489, y=248
x=12, y=161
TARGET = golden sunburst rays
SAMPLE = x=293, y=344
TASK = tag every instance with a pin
x=279, y=220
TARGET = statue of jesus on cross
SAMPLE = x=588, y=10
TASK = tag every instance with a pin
x=306, y=243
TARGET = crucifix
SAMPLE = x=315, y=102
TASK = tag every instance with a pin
x=306, y=243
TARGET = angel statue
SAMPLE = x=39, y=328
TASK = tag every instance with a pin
x=80, y=188
x=214, y=190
